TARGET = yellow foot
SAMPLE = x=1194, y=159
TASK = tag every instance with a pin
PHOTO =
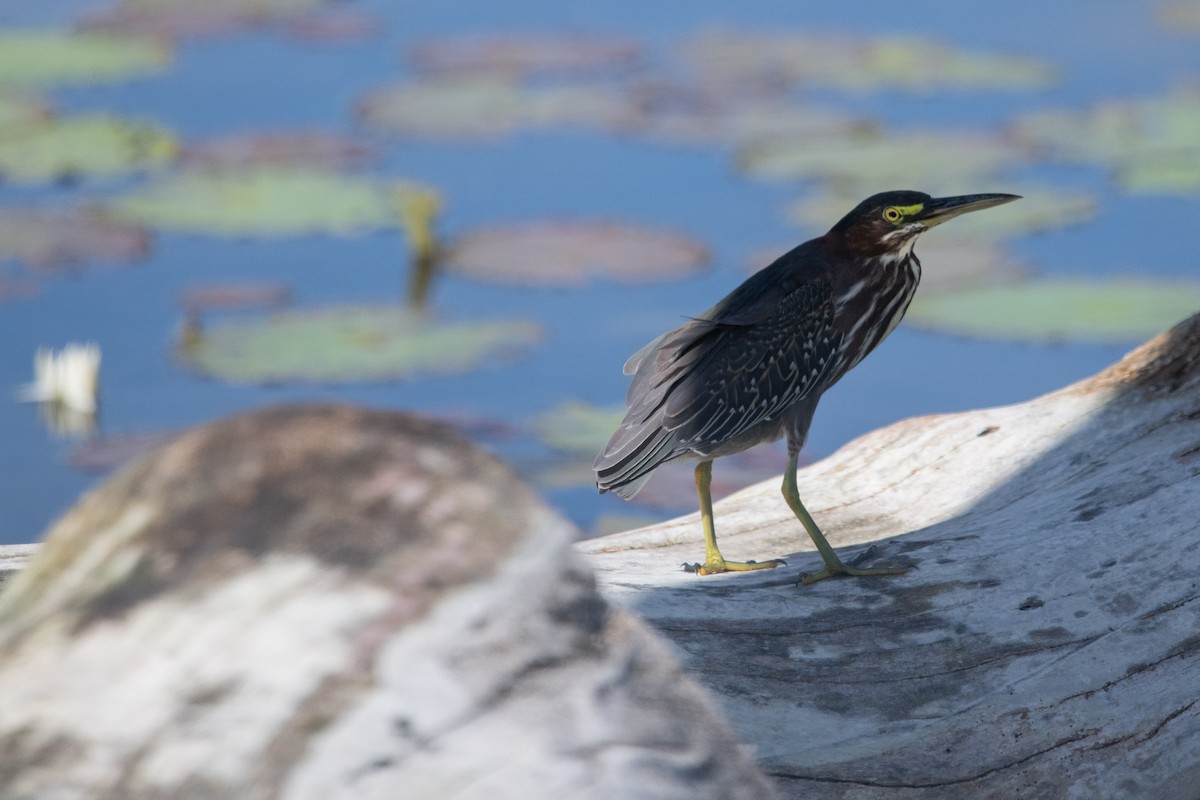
x=712, y=567
x=852, y=569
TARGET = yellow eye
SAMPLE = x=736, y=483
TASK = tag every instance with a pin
x=892, y=214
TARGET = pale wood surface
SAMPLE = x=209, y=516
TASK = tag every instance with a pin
x=1046, y=642
x=329, y=603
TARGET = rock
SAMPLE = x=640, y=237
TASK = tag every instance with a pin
x=1047, y=641
x=335, y=603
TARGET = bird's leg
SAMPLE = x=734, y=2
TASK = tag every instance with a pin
x=833, y=564
x=714, y=562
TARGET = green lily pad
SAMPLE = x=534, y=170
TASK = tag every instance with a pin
x=1039, y=209
x=263, y=202
x=1153, y=144
x=570, y=253
x=45, y=58
x=93, y=146
x=889, y=62
x=864, y=164
x=351, y=344
x=527, y=54
x=474, y=107
x=577, y=427
x=50, y=238
x=948, y=263
x=1054, y=310
x=1172, y=173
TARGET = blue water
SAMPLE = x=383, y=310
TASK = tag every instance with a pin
x=263, y=81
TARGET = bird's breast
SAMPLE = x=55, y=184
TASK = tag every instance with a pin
x=870, y=308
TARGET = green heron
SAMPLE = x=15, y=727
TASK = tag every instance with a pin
x=753, y=367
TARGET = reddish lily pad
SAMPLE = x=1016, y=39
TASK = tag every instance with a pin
x=679, y=113
x=303, y=149
x=177, y=19
x=351, y=344
x=1181, y=16
x=108, y=452
x=214, y=296
x=571, y=253
x=479, y=106
x=19, y=111
x=55, y=238
x=340, y=27
x=524, y=54
x=844, y=62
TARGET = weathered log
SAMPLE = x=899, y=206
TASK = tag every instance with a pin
x=1046, y=642
x=334, y=603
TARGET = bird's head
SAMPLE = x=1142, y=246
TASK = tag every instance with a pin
x=890, y=222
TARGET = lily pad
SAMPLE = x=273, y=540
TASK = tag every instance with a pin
x=524, y=54
x=1166, y=173
x=1040, y=209
x=865, y=164
x=335, y=27
x=1056, y=310
x=309, y=149
x=263, y=202
x=110, y=451
x=45, y=58
x=949, y=264
x=93, y=146
x=1153, y=144
x=570, y=253
x=844, y=62
x=678, y=113
x=578, y=428
x=352, y=344
x=175, y=19
x=50, y=239
x=19, y=111
x=474, y=107
x=1181, y=16
x=672, y=488
x=213, y=296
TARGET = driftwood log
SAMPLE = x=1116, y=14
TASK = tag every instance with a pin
x=324, y=603
x=329, y=603
x=1046, y=643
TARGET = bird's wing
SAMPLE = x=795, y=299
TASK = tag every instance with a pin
x=713, y=378
x=757, y=364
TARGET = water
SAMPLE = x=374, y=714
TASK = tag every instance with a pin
x=263, y=81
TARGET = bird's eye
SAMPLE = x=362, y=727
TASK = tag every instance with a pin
x=892, y=214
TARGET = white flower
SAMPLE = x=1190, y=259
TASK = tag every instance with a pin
x=69, y=377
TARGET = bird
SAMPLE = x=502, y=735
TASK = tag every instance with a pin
x=753, y=368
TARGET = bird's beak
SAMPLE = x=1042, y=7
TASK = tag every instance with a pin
x=940, y=209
